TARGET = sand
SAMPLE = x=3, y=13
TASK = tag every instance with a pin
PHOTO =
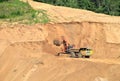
x=27, y=52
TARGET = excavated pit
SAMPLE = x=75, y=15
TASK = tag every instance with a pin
x=28, y=54
x=103, y=38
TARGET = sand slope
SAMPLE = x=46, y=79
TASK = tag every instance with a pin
x=27, y=52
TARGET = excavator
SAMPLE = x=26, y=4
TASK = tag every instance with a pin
x=75, y=53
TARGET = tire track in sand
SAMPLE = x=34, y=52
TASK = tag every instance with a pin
x=30, y=72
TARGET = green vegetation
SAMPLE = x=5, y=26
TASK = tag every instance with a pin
x=111, y=7
x=3, y=0
x=15, y=10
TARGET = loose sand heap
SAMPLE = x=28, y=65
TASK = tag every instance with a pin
x=27, y=52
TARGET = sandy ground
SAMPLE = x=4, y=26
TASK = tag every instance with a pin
x=27, y=52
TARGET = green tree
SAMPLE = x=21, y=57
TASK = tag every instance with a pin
x=72, y=3
x=114, y=7
x=3, y=0
x=60, y=2
x=86, y=4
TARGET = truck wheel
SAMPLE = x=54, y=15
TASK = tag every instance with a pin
x=87, y=56
x=83, y=56
x=79, y=55
x=72, y=54
x=58, y=54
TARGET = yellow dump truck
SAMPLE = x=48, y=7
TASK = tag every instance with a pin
x=81, y=53
x=78, y=53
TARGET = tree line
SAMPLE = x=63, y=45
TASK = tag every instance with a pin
x=110, y=7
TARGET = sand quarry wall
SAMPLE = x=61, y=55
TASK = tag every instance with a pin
x=27, y=53
x=103, y=38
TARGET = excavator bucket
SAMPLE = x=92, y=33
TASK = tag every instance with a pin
x=57, y=42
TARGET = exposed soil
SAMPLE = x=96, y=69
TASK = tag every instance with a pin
x=27, y=52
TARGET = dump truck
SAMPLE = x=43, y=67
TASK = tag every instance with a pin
x=78, y=53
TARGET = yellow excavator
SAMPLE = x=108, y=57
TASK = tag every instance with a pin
x=75, y=53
